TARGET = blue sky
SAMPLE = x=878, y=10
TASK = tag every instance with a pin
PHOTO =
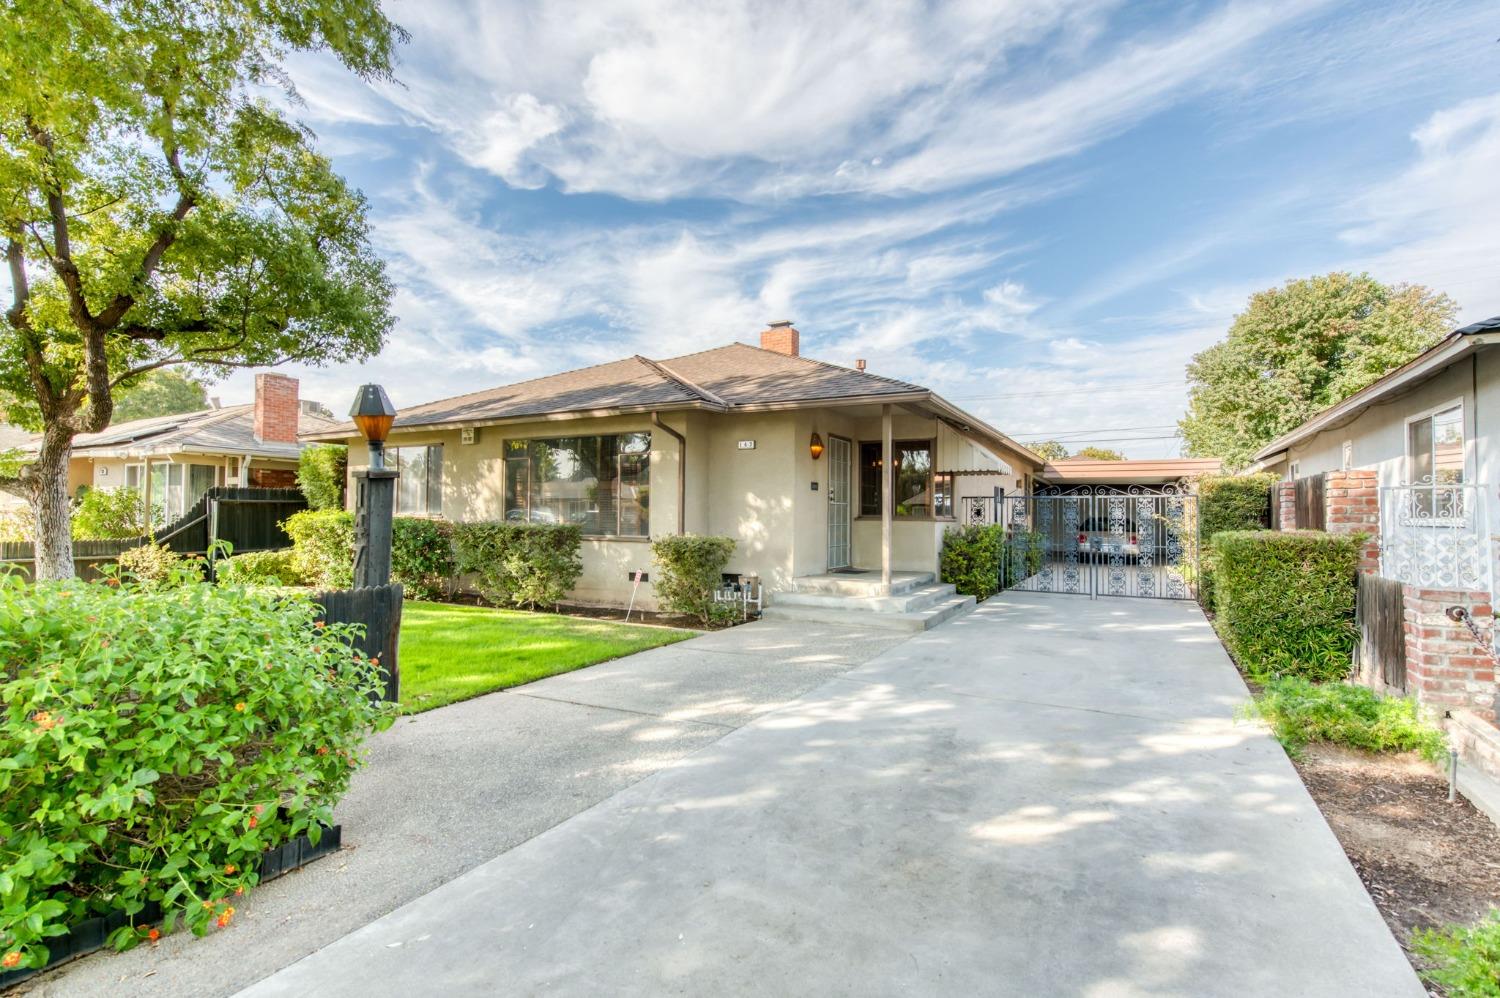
x=1041, y=209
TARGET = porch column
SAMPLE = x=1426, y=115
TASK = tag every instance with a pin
x=887, y=488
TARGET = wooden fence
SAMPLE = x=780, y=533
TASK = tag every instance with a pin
x=249, y=519
x=379, y=610
x=1382, y=636
x=1312, y=507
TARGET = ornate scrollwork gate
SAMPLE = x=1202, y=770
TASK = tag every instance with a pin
x=1097, y=540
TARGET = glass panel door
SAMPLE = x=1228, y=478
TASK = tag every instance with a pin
x=840, y=474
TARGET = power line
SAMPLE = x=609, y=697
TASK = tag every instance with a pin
x=1093, y=429
x=1156, y=386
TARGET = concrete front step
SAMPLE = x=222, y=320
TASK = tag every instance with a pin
x=864, y=584
x=912, y=622
x=909, y=601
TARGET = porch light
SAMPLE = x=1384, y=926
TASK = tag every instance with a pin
x=373, y=414
x=816, y=447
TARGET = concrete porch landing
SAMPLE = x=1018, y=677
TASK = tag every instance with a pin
x=915, y=602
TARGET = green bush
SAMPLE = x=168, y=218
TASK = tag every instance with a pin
x=422, y=556
x=1300, y=712
x=109, y=514
x=323, y=547
x=1464, y=960
x=17, y=524
x=1285, y=601
x=154, y=565
x=259, y=568
x=322, y=471
x=155, y=741
x=970, y=558
x=1228, y=502
x=522, y=564
x=689, y=568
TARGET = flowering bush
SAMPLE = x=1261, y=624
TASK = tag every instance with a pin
x=152, y=565
x=259, y=568
x=323, y=547
x=155, y=741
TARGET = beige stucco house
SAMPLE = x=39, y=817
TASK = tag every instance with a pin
x=783, y=453
x=173, y=460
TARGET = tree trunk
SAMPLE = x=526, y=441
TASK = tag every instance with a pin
x=49, y=501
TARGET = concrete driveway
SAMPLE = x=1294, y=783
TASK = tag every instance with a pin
x=1049, y=796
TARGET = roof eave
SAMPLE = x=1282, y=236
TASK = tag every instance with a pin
x=1455, y=347
x=348, y=432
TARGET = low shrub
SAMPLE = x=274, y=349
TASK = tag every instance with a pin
x=689, y=568
x=154, y=565
x=422, y=556
x=18, y=524
x=109, y=514
x=1285, y=601
x=521, y=564
x=156, y=741
x=1464, y=960
x=322, y=471
x=259, y=568
x=323, y=547
x=1228, y=502
x=1301, y=712
x=970, y=558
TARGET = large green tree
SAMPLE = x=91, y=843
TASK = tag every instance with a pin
x=163, y=392
x=1099, y=454
x=1298, y=349
x=157, y=209
x=1048, y=450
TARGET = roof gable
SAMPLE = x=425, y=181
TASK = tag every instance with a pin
x=744, y=375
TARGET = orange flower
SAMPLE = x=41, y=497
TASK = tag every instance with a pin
x=374, y=661
x=230, y=868
x=226, y=917
x=154, y=934
x=45, y=721
x=208, y=906
x=11, y=959
x=322, y=750
x=239, y=890
x=253, y=821
x=260, y=809
x=319, y=624
x=240, y=706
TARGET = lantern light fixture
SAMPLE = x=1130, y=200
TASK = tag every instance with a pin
x=373, y=414
x=816, y=446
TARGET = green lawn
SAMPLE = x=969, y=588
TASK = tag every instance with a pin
x=451, y=653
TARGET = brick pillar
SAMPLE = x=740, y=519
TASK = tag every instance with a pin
x=782, y=337
x=277, y=410
x=1446, y=668
x=1353, y=499
x=1286, y=497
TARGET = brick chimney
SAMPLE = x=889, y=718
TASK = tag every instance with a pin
x=782, y=337
x=276, y=408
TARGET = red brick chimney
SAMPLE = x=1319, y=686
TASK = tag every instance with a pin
x=276, y=408
x=782, y=337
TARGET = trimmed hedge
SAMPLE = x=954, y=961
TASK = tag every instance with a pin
x=688, y=570
x=1285, y=601
x=259, y=568
x=422, y=557
x=1228, y=502
x=323, y=547
x=322, y=471
x=523, y=564
x=971, y=557
x=157, y=741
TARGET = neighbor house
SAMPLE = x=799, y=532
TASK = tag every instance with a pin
x=782, y=453
x=1413, y=462
x=173, y=460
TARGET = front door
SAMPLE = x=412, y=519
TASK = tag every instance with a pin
x=840, y=488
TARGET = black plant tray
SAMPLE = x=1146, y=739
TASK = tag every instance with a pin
x=89, y=935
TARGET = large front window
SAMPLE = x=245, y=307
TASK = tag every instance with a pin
x=921, y=493
x=1435, y=455
x=601, y=483
x=419, y=490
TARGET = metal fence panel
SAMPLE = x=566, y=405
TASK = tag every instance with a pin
x=1436, y=535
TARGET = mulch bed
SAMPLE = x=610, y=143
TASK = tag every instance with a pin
x=1425, y=862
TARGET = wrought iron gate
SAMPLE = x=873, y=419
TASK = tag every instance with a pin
x=1097, y=540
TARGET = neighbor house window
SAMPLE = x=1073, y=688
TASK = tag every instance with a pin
x=1435, y=457
x=419, y=490
x=601, y=483
x=920, y=491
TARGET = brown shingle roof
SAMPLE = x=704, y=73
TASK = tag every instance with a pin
x=230, y=430
x=725, y=377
